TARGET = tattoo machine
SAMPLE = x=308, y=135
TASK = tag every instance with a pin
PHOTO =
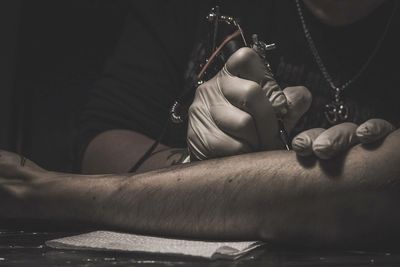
x=224, y=37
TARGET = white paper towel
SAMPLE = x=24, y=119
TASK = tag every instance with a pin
x=105, y=240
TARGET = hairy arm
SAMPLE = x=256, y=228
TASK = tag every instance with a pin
x=272, y=196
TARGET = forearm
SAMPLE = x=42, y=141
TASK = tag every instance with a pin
x=269, y=195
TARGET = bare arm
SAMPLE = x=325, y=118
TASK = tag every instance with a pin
x=117, y=151
x=352, y=200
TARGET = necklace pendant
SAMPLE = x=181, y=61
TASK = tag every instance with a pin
x=336, y=112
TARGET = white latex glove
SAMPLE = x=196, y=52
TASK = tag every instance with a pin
x=326, y=144
x=236, y=111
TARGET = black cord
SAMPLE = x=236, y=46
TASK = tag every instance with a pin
x=148, y=153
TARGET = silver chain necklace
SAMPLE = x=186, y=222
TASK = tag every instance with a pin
x=337, y=111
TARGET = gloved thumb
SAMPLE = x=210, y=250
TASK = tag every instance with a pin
x=299, y=101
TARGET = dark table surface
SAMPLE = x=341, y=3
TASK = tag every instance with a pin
x=26, y=248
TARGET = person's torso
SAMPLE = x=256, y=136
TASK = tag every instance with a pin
x=344, y=52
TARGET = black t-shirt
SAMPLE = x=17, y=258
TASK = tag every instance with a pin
x=145, y=75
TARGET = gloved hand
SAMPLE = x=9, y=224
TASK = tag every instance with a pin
x=236, y=111
x=326, y=144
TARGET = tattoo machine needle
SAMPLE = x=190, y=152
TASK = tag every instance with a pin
x=262, y=48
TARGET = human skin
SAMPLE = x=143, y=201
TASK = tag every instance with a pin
x=350, y=201
x=341, y=12
x=273, y=196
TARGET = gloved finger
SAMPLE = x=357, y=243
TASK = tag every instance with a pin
x=247, y=64
x=249, y=97
x=200, y=124
x=206, y=141
x=302, y=144
x=335, y=140
x=374, y=130
x=235, y=123
x=299, y=101
x=276, y=97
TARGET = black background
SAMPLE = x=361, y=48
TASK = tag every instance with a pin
x=52, y=52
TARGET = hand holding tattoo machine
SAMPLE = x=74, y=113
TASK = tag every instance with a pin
x=225, y=37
